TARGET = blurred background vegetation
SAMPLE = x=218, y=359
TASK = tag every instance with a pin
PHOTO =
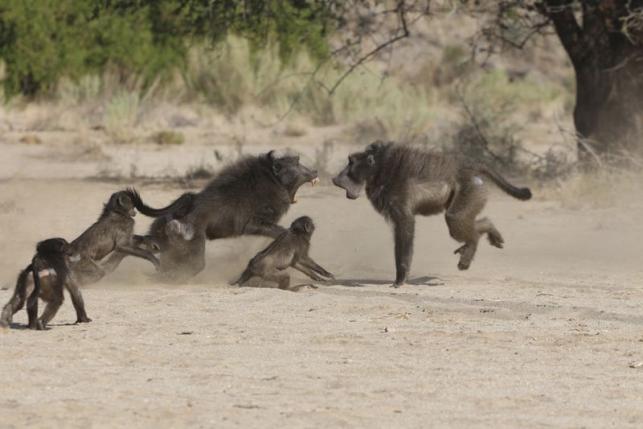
x=156, y=70
x=42, y=41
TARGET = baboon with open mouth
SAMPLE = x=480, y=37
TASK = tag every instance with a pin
x=248, y=197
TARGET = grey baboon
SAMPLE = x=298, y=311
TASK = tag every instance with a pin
x=49, y=270
x=290, y=249
x=246, y=198
x=402, y=182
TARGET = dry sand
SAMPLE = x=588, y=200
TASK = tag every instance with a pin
x=545, y=333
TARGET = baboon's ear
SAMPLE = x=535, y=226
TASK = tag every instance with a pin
x=271, y=155
x=370, y=159
x=375, y=146
x=122, y=201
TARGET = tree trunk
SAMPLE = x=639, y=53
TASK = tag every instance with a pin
x=609, y=105
x=608, y=115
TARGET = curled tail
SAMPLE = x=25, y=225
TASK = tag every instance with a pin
x=520, y=193
x=36, y=280
x=178, y=209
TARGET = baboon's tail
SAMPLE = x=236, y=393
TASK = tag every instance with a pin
x=178, y=209
x=520, y=193
x=245, y=276
x=36, y=279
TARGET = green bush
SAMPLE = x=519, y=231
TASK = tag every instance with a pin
x=42, y=41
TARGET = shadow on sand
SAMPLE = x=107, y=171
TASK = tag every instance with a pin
x=418, y=281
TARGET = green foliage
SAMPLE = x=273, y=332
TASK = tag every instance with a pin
x=232, y=76
x=42, y=41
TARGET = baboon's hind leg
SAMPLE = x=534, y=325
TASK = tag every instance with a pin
x=280, y=277
x=485, y=226
x=16, y=302
x=461, y=215
x=77, y=299
x=50, y=310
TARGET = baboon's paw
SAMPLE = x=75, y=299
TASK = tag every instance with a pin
x=83, y=320
x=459, y=249
x=463, y=265
x=496, y=240
x=38, y=326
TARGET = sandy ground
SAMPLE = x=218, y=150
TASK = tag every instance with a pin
x=545, y=333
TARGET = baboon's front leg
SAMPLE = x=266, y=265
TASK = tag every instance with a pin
x=404, y=232
x=264, y=229
x=310, y=263
x=140, y=253
x=299, y=266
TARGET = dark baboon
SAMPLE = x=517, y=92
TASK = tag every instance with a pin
x=112, y=232
x=248, y=197
x=290, y=249
x=402, y=182
x=49, y=270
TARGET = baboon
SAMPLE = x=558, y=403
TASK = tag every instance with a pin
x=49, y=270
x=181, y=247
x=112, y=232
x=86, y=273
x=290, y=249
x=402, y=182
x=182, y=250
x=246, y=198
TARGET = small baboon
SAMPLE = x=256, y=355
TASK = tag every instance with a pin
x=49, y=270
x=246, y=198
x=290, y=249
x=86, y=273
x=112, y=232
x=402, y=182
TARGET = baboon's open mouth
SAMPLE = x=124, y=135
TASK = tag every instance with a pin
x=312, y=182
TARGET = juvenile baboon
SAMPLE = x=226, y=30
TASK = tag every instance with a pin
x=246, y=198
x=402, y=182
x=49, y=270
x=290, y=249
x=112, y=232
x=86, y=273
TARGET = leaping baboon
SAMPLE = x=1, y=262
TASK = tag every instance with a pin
x=290, y=249
x=112, y=234
x=49, y=270
x=402, y=182
x=246, y=198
